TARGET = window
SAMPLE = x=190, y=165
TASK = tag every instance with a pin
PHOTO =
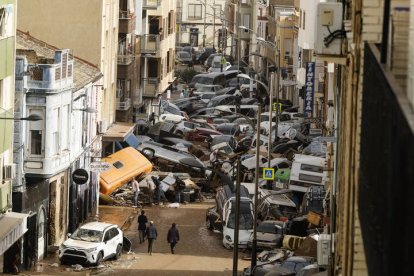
x=310, y=178
x=118, y=165
x=194, y=11
x=36, y=142
x=2, y=21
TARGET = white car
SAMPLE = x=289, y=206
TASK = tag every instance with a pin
x=92, y=243
x=166, y=117
x=216, y=67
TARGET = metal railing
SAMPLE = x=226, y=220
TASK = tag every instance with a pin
x=386, y=168
x=123, y=105
x=150, y=43
x=150, y=87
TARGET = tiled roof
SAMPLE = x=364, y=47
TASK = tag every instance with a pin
x=84, y=72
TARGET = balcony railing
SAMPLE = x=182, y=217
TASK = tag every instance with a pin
x=151, y=4
x=125, y=59
x=150, y=87
x=126, y=22
x=386, y=168
x=150, y=44
x=123, y=105
x=49, y=77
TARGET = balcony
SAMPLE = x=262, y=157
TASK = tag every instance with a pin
x=126, y=22
x=151, y=4
x=123, y=105
x=150, y=44
x=150, y=87
x=50, y=77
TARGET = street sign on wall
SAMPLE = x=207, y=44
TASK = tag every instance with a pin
x=309, y=88
x=99, y=166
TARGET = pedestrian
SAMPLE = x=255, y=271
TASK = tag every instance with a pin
x=185, y=93
x=182, y=94
x=160, y=192
x=173, y=237
x=142, y=226
x=152, y=118
x=191, y=93
x=135, y=188
x=151, y=189
x=179, y=187
x=151, y=236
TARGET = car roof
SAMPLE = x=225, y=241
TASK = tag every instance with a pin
x=95, y=225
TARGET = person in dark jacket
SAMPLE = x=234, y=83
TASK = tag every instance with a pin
x=151, y=236
x=142, y=226
x=173, y=237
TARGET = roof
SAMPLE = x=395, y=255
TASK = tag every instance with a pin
x=84, y=72
x=95, y=225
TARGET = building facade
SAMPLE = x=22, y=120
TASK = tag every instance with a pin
x=14, y=225
x=158, y=36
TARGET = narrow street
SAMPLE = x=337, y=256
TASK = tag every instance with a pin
x=199, y=252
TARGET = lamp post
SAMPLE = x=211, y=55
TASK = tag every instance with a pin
x=256, y=186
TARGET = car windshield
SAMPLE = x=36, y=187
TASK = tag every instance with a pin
x=184, y=55
x=87, y=235
x=267, y=228
x=246, y=218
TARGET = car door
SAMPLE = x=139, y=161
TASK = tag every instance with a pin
x=107, y=249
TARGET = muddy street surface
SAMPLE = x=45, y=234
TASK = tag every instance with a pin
x=199, y=252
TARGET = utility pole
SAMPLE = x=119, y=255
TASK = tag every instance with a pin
x=205, y=14
x=237, y=221
x=214, y=22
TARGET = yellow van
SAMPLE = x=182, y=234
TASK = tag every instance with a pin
x=126, y=164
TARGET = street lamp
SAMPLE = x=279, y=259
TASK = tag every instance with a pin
x=30, y=118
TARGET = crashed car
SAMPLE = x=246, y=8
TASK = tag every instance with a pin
x=291, y=266
x=92, y=243
x=269, y=234
x=163, y=154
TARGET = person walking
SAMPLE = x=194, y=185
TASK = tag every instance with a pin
x=135, y=188
x=142, y=226
x=173, y=237
x=179, y=187
x=160, y=192
x=151, y=190
x=151, y=236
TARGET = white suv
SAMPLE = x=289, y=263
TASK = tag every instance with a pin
x=92, y=243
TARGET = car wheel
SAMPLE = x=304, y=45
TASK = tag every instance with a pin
x=209, y=225
x=118, y=252
x=149, y=153
x=99, y=259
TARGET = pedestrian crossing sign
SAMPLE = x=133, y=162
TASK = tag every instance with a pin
x=268, y=173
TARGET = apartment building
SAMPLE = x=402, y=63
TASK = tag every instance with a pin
x=64, y=92
x=158, y=36
x=90, y=29
x=14, y=225
x=199, y=23
x=128, y=98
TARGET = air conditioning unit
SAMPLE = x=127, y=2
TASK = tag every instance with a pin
x=101, y=127
x=9, y=172
x=324, y=249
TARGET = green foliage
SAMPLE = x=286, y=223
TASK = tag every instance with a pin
x=186, y=75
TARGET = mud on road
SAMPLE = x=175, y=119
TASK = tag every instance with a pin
x=199, y=252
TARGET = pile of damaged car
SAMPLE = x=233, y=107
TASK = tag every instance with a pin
x=230, y=142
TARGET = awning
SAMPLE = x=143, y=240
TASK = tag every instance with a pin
x=118, y=132
x=13, y=226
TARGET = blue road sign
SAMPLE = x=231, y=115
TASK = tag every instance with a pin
x=268, y=173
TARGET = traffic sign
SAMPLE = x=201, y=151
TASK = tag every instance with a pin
x=275, y=105
x=268, y=173
x=99, y=166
